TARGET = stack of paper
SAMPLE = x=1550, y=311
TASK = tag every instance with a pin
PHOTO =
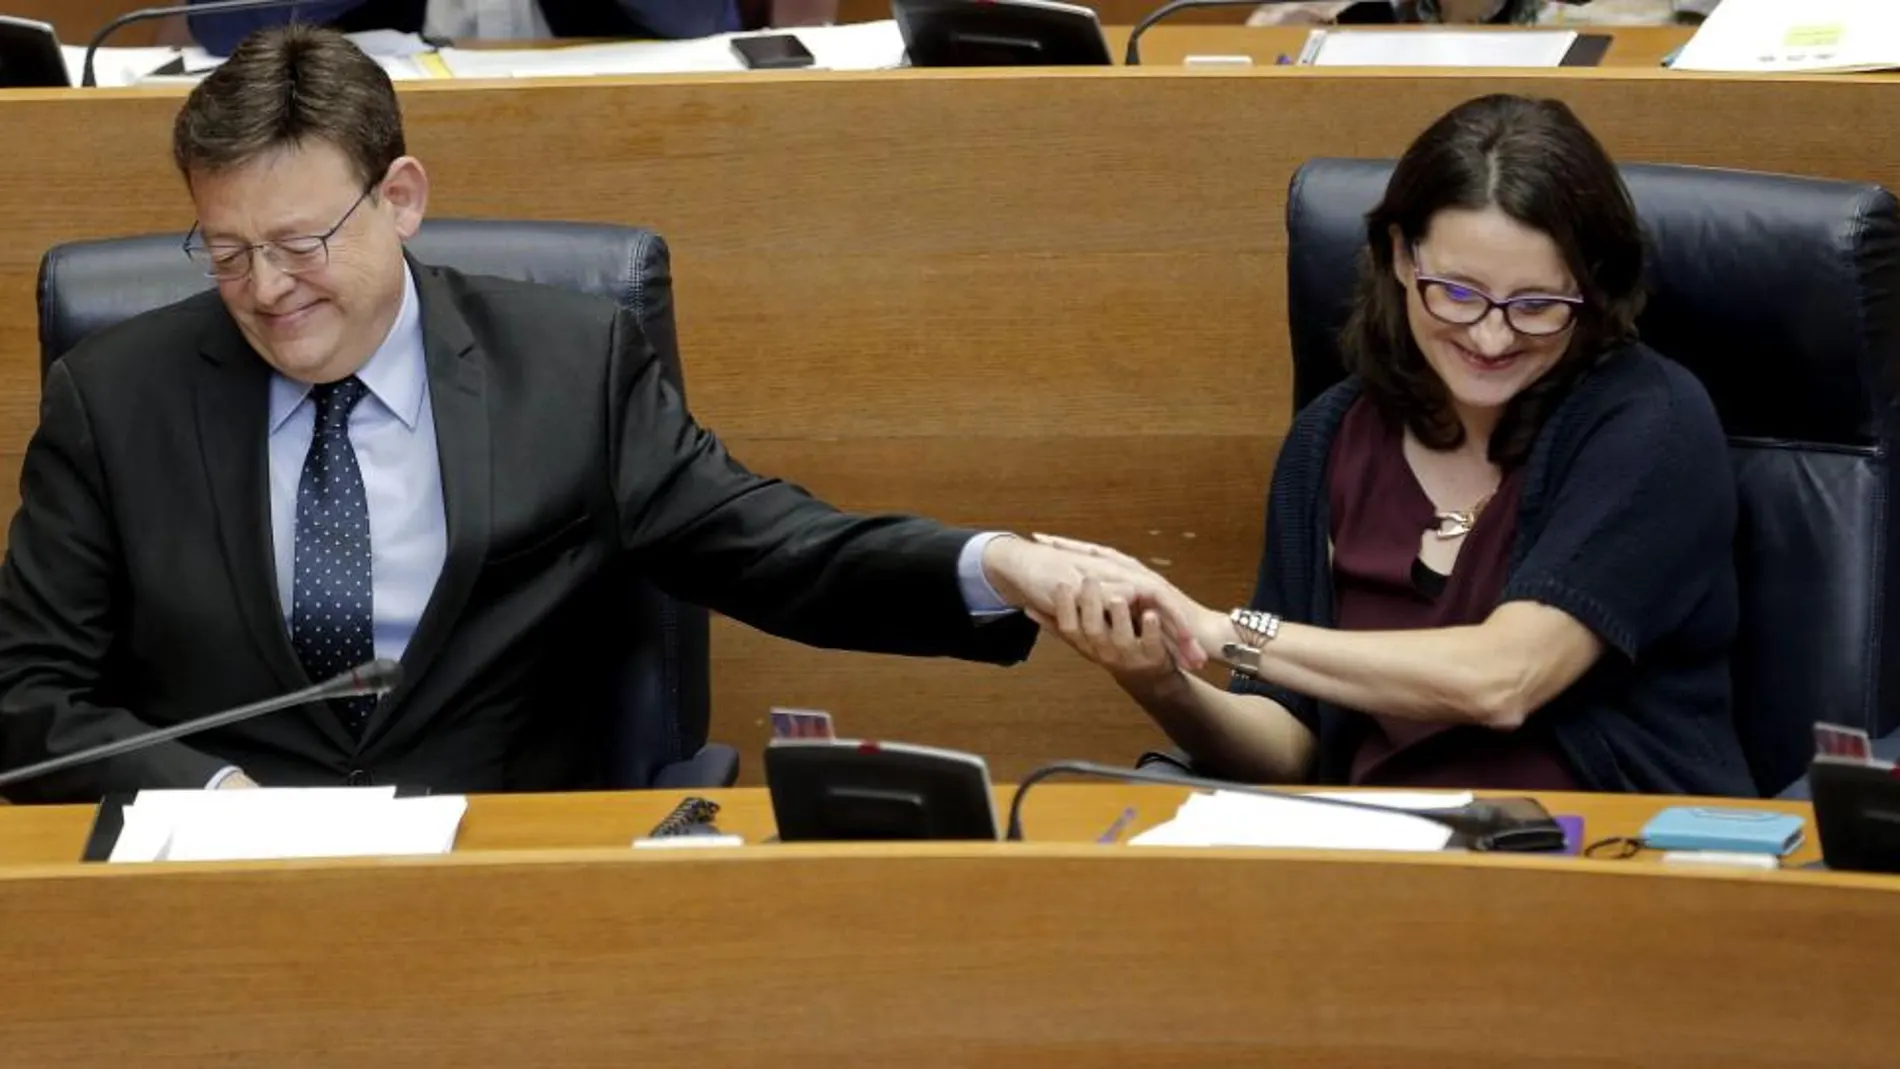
x=1796, y=35
x=1437, y=48
x=1229, y=818
x=285, y=823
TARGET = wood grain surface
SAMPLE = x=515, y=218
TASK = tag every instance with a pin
x=929, y=955
x=1054, y=811
x=1028, y=301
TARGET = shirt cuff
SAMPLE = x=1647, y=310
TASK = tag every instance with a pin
x=978, y=595
x=224, y=773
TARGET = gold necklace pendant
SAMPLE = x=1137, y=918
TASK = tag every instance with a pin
x=1458, y=523
x=1454, y=524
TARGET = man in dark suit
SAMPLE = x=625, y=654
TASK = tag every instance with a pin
x=344, y=453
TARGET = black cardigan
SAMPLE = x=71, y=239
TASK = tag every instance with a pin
x=1627, y=523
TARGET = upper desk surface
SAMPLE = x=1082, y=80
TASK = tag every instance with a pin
x=1164, y=45
x=923, y=955
x=1052, y=813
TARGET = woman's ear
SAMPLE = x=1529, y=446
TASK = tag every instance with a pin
x=1402, y=267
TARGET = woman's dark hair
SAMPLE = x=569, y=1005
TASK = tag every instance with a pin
x=1533, y=161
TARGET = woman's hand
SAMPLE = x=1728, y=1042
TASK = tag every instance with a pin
x=1137, y=650
x=1101, y=627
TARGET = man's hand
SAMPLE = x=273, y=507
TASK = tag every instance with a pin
x=1046, y=579
x=237, y=781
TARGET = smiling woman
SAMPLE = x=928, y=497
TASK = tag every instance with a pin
x=1499, y=554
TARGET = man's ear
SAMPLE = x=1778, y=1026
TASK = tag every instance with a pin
x=406, y=188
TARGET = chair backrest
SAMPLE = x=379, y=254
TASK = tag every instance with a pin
x=1783, y=295
x=661, y=694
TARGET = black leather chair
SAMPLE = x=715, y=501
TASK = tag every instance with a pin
x=655, y=736
x=1783, y=295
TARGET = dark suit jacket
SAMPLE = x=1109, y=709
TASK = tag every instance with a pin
x=139, y=590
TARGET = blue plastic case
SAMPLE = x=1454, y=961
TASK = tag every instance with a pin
x=1752, y=831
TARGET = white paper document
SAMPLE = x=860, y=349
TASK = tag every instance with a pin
x=210, y=825
x=1796, y=35
x=115, y=67
x=1437, y=48
x=1229, y=818
x=1399, y=799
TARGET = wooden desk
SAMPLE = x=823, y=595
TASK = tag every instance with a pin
x=928, y=955
x=1052, y=812
x=1044, y=301
x=1632, y=47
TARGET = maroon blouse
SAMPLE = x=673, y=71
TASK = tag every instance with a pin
x=1379, y=512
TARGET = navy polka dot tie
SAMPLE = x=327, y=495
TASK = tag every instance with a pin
x=330, y=609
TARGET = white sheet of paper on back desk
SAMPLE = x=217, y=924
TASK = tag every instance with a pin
x=1229, y=818
x=1796, y=35
x=285, y=822
x=1438, y=48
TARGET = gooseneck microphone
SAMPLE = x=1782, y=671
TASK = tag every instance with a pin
x=1133, y=57
x=376, y=677
x=218, y=7
x=1480, y=822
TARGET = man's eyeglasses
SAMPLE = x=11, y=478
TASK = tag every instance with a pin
x=292, y=256
x=1534, y=315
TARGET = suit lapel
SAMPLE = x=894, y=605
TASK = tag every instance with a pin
x=458, y=398
x=232, y=401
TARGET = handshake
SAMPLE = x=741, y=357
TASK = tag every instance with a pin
x=1113, y=609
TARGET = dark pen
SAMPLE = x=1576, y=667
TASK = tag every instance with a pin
x=1114, y=831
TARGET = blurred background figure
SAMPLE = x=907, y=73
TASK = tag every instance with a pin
x=488, y=19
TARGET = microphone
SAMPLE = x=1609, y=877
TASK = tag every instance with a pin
x=86, y=78
x=1133, y=57
x=376, y=677
x=1500, y=824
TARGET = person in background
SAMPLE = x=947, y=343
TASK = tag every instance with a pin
x=467, y=19
x=1500, y=553
x=1348, y=12
x=1488, y=12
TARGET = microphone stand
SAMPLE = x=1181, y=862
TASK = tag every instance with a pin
x=1477, y=822
x=88, y=80
x=376, y=677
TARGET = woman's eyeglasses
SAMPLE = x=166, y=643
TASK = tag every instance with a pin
x=1534, y=315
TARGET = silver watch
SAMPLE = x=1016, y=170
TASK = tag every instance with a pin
x=1254, y=629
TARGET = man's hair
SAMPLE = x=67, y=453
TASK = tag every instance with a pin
x=286, y=87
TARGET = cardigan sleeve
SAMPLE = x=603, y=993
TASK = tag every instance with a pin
x=1290, y=558
x=1639, y=524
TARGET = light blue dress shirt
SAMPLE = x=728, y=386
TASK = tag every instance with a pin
x=393, y=434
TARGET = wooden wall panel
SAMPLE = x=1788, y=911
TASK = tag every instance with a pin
x=1050, y=301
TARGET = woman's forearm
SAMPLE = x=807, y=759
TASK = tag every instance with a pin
x=1238, y=736
x=1493, y=674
